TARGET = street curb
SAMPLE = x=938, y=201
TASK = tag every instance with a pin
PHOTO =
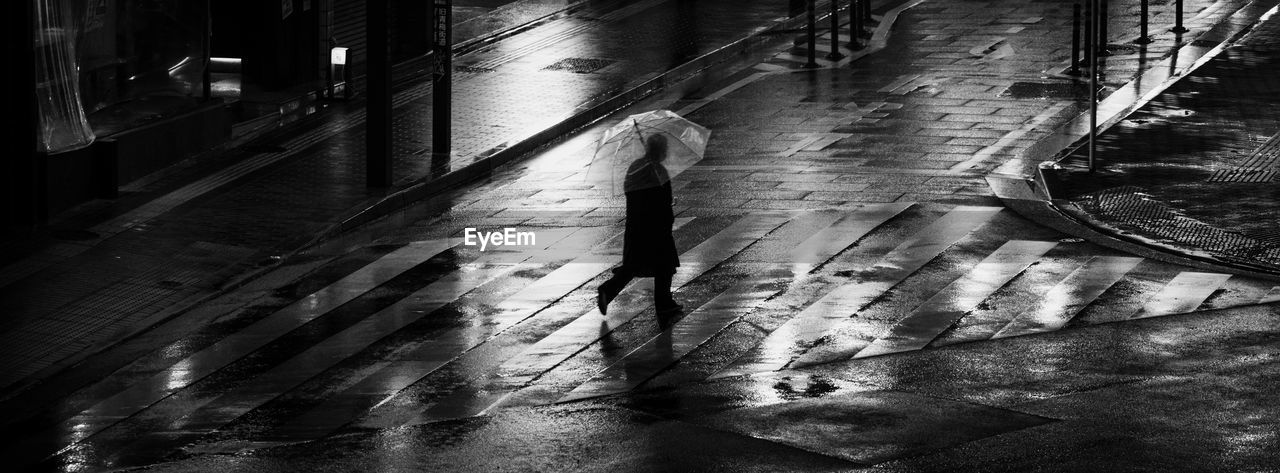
x=1027, y=198
x=1046, y=186
x=585, y=115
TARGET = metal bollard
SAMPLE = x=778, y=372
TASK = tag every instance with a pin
x=1088, y=34
x=855, y=23
x=812, y=10
x=1075, y=40
x=835, y=31
x=1177, y=18
x=1143, y=36
x=1102, y=29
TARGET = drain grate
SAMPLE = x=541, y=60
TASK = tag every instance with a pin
x=1270, y=236
x=579, y=65
x=1260, y=166
x=1042, y=90
x=1134, y=210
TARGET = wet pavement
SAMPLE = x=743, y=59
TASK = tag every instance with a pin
x=1192, y=170
x=855, y=298
x=176, y=238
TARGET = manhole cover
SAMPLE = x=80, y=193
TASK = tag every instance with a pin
x=578, y=65
x=1041, y=90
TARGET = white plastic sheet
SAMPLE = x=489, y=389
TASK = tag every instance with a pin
x=63, y=124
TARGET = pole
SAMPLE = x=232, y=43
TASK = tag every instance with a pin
x=378, y=121
x=24, y=174
x=835, y=32
x=855, y=23
x=812, y=10
x=1102, y=29
x=1177, y=18
x=1075, y=40
x=1093, y=95
x=1143, y=36
x=1088, y=33
x=442, y=86
x=206, y=77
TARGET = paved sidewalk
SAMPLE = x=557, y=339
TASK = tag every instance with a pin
x=1193, y=171
x=184, y=234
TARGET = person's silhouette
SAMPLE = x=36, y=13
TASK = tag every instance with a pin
x=648, y=248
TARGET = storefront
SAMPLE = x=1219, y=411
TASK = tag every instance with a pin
x=127, y=87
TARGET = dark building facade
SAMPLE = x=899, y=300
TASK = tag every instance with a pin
x=123, y=88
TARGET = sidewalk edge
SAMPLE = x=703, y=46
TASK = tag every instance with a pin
x=1027, y=197
x=513, y=151
x=1039, y=201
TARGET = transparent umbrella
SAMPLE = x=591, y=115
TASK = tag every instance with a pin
x=647, y=150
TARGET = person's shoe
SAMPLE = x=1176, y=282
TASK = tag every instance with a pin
x=669, y=306
x=602, y=301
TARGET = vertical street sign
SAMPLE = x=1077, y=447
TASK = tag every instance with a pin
x=442, y=94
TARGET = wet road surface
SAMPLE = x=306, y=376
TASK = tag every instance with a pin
x=837, y=283
x=434, y=329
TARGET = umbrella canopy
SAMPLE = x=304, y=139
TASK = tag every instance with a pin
x=647, y=150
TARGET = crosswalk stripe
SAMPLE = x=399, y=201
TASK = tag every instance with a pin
x=587, y=329
x=382, y=384
x=1069, y=296
x=690, y=332
x=795, y=336
x=713, y=317
x=1272, y=296
x=203, y=363
x=926, y=322
x=432, y=354
x=1183, y=294
x=333, y=350
x=592, y=326
x=829, y=241
x=488, y=266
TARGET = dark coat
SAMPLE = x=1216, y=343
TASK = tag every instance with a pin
x=648, y=248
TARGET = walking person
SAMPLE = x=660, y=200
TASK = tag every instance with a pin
x=648, y=247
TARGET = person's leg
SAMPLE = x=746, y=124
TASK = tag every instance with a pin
x=662, y=293
x=610, y=289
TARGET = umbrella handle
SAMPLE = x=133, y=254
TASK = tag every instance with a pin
x=636, y=124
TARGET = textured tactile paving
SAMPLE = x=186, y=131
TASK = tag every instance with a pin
x=1132, y=209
